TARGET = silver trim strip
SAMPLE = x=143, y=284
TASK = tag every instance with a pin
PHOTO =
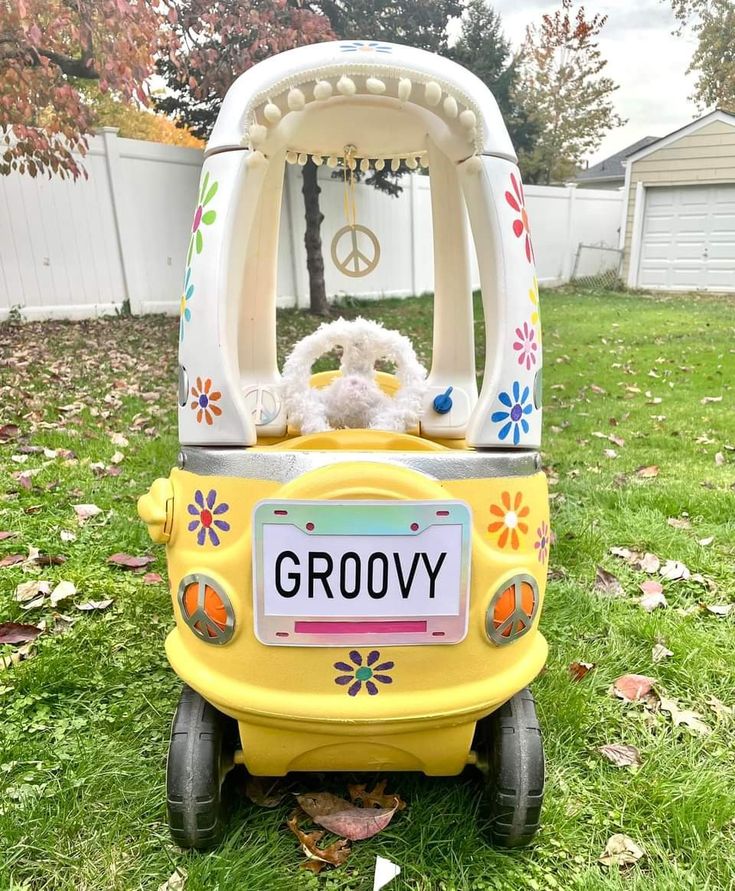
x=281, y=467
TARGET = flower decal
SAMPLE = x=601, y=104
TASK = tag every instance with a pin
x=510, y=523
x=202, y=217
x=526, y=345
x=186, y=295
x=204, y=401
x=365, y=46
x=514, y=420
x=534, y=298
x=543, y=541
x=206, y=513
x=517, y=201
x=363, y=672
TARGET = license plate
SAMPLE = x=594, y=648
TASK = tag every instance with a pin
x=364, y=572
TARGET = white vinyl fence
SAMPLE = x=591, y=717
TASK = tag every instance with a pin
x=80, y=249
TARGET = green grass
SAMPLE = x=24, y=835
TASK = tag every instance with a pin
x=85, y=720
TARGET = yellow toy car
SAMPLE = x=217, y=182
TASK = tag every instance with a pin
x=355, y=597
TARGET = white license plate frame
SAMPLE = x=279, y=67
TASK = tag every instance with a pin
x=333, y=621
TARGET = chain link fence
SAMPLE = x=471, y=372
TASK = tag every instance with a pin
x=598, y=267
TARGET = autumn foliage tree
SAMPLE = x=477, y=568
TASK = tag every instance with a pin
x=561, y=80
x=44, y=45
x=713, y=23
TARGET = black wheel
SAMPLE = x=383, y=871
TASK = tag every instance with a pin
x=511, y=752
x=203, y=741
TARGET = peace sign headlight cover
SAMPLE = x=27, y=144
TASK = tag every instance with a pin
x=206, y=608
x=512, y=610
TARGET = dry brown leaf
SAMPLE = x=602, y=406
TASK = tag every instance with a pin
x=660, y=652
x=17, y=632
x=719, y=707
x=632, y=687
x=652, y=600
x=607, y=584
x=335, y=854
x=67, y=536
x=127, y=561
x=31, y=590
x=679, y=522
x=625, y=554
x=94, y=604
x=621, y=850
x=375, y=797
x=720, y=459
x=4, y=536
x=117, y=439
x=12, y=559
x=674, y=570
x=621, y=755
x=647, y=472
x=266, y=791
x=85, y=511
x=705, y=400
x=580, y=670
x=63, y=591
x=21, y=654
x=719, y=609
x=684, y=717
x=343, y=818
x=152, y=578
x=175, y=882
x=705, y=542
x=648, y=563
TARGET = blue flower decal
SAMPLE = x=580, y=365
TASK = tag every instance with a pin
x=363, y=672
x=206, y=511
x=513, y=419
x=187, y=294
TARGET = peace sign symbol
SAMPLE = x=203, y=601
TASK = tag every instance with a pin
x=356, y=263
x=517, y=620
x=263, y=405
x=206, y=609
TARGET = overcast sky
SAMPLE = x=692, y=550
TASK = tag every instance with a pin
x=647, y=62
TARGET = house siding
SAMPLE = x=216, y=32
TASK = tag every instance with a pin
x=701, y=158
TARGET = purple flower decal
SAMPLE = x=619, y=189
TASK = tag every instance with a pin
x=543, y=540
x=206, y=511
x=363, y=671
x=513, y=419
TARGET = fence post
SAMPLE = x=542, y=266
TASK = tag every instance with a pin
x=126, y=243
x=569, y=254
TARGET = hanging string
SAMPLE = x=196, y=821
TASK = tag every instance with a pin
x=350, y=193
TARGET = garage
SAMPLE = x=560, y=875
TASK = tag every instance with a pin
x=678, y=229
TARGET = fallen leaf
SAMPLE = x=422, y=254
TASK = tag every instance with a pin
x=117, y=458
x=624, y=553
x=719, y=707
x=705, y=400
x=175, y=882
x=673, y=570
x=4, y=536
x=45, y=559
x=94, y=604
x=679, y=522
x=12, y=559
x=621, y=850
x=126, y=561
x=343, y=818
x=17, y=632
x=705, y=542
x=684, y=717
x=660, y=652
x=266, y=791
x=85, y=511
x=648, y=563
x=632, y=687
x=67, y=536
x=28, y=591
x=647, y=472
x=335, y=854
x=610, y=453
x=652, y=600
x=719, y=459
x=580, y=670
x=19, y=655
x=607, y=584
x=385, y=872
x=152, y=578
x=118, y=439
x=621, y=755
x=375, y=797
x=719, y=609
x=63, y=591
x=8, y=431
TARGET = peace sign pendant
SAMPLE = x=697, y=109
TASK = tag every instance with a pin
x=363, y=253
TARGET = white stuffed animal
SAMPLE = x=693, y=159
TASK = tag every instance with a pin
x=353, y=399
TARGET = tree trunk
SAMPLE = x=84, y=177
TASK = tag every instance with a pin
x=313, y=241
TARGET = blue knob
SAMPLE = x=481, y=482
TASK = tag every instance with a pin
x=443, y=402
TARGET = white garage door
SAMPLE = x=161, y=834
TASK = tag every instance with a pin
x=688, y=239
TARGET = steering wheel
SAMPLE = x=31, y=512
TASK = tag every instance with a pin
x=353, y=398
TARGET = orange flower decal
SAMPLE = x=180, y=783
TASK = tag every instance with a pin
x=510, y=520
x=204, y=401
x=517, y=201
